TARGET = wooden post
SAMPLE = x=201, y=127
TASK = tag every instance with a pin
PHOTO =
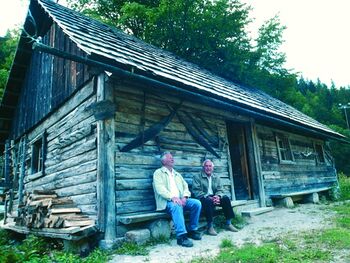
x=105, y=168
x=229, y=163
x=7, y=163
x=22, y=169
x=258, y=164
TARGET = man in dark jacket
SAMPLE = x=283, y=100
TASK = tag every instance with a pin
x=208, y=189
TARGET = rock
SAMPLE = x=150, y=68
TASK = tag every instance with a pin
x=312, y=198
x=160, y=228
x=139, y=237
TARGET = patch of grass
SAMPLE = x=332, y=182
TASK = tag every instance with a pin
x=336, y=238
x=226, y=243
x=35, y=249
x=343, y=215
x=132, y=249
x=159, y=240
x=268, y=252
x=238, y=221
x=344, y=186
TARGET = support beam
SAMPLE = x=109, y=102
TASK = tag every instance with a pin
x=105, y=168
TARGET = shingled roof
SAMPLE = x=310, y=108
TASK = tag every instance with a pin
x=104, y=42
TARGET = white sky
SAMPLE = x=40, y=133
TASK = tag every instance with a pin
x=317, y=38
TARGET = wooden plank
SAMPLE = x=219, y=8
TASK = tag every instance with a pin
x=106, y=208
x=142, y=217
x=301, y=192
x=74, y=161
x=70, y=233
x=7, y=163
x=135, y=206
x=22, y=169
x=65, y=210
x=81, y=95
x=69, y=223
x=258, y=169
x=256, y=211
x=83, y=168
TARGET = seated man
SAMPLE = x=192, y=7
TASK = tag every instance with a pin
x=172, y=194
x=208, y=189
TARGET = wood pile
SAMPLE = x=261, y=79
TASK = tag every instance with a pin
x=44, y=209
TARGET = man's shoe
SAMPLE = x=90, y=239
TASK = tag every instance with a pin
x=195, y=235
x=184, y=241
x=211, y=231
x=231, y=228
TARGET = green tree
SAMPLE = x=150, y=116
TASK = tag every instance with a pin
x=212, y=34
x=8, y=45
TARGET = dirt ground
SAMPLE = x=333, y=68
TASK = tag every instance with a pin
x=278, y=222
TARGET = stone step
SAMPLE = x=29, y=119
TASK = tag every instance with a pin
x=256, y=211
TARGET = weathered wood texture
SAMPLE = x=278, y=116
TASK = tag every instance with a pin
x=304, y=173
x=48, y=83
x=71, y=159
x=134, y=168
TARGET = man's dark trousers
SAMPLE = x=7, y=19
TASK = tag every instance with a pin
x=208, y=207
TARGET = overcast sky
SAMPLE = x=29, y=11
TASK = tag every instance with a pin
x=317, y=38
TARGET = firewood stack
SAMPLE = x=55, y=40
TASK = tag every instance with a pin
x=44, y=209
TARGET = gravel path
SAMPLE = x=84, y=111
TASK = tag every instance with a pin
x=280, y=221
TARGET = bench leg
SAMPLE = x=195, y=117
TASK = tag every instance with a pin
x=312, y=198
x=160, y=228
x=286, y=202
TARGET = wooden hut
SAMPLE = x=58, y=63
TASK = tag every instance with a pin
x=88, y=109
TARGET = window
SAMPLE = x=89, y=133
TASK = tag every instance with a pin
x=319, y=153
x=38, y=155
x=284, y=149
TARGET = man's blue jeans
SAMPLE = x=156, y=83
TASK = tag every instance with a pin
x=177, y=214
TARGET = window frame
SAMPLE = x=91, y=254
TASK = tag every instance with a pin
x=318, y=161
x=38, y=155
x=287, y=149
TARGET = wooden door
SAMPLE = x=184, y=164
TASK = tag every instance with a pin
x=236, y=134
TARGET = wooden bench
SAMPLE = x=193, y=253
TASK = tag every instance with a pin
x=150, y=216
x=287, y=199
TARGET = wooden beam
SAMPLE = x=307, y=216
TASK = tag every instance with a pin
x=105, y=166
x=258, y=164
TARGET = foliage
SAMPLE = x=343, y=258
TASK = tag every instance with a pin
x=226, y=243
x=8, y=45
x=130, y=248
x=35, y=249
x=344, y=185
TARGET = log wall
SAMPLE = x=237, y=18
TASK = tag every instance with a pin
x=71, y=156
x=49, y=81
x=137, y=111
x=304, y=173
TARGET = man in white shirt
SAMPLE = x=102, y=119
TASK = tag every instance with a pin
x=172, y=194
x=208, y=189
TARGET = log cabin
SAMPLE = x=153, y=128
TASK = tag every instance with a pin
x=88, y=110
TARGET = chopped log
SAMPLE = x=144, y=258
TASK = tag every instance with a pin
x=39, y=197
x=42, y=202
x=64, y=210
x=44, y=192
x=69, y=223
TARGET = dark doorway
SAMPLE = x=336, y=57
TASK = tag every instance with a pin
x=236, y=133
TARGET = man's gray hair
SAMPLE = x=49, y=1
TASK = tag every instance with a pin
x=207, y=160
x=162, y=156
